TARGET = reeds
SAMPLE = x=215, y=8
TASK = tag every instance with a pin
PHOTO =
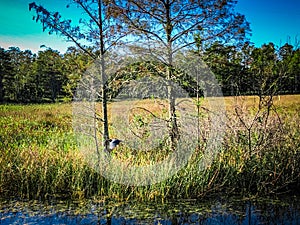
x=39, y=158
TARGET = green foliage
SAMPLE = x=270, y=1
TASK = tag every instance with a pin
x=44, y=77
x=50, y=77
x=5, y=74
x=248, y=70
x=152, y=78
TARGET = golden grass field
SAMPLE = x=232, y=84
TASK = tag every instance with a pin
x=40, y=158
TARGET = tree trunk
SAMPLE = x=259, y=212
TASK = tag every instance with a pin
x=104, y=102
x=173, y=127
x=103, y=75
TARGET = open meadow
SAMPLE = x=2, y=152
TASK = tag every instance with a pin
x=260, y=155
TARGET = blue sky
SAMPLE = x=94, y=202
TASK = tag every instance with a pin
x=270, y=20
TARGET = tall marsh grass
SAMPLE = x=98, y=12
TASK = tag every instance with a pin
x=39, y=157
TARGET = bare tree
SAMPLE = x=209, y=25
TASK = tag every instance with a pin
x=95, y=28
x=168, y=26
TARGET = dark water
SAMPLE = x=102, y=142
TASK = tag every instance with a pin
x=225, y=211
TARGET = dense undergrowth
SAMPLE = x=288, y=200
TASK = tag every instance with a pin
x=39, y=158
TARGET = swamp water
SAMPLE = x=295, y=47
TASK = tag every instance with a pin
x=222, y=211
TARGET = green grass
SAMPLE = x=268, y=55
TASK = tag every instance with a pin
x=39, y=157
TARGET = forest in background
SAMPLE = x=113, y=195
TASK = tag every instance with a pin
x=161, y=30
x=50, y=76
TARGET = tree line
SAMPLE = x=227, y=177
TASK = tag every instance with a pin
x=49, y=76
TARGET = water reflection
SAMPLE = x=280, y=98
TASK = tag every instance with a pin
x=225, y=212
